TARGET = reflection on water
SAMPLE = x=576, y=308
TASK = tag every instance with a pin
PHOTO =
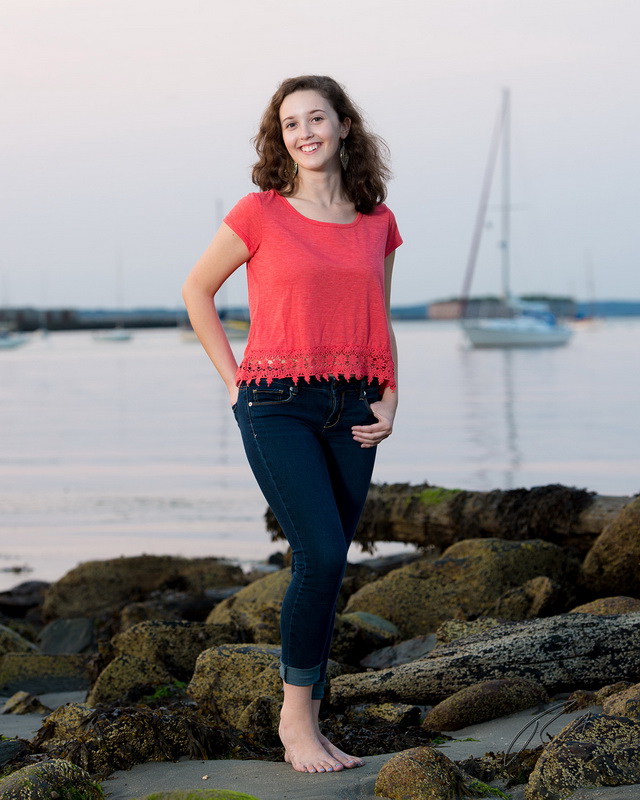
x=110, y=450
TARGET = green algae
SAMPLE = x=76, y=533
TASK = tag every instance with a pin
x=200, y=794
x=435, y=495
x=484, y=790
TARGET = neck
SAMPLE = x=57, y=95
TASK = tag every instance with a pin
x=321, y=188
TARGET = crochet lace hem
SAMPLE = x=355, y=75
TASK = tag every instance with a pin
x=352, y=362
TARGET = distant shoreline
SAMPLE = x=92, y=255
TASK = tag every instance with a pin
x=27, y=319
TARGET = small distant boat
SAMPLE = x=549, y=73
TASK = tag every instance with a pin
x=526, y=329
x=522, y=323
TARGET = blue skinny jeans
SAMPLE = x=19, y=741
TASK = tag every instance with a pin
x=297, y=437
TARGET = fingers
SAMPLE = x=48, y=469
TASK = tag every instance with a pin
x=371, y=435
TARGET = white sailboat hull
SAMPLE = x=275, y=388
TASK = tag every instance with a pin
x=516, y=332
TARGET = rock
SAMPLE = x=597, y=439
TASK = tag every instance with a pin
x=12, y=750
x=466, y=581
x=261, y=715
x=171, y=605
x=612, y=565
x=422, y=773
x=624, y=704
x=199, y=794
x=484, y=701
x=558, y=652
x=355, y=635
x=12, y=642
x=175, y=644
x=127, y=679
x=68, y=636
x=454, y=629
x=401, y=653
x=582, y=698
x=154, y=654
x=229, y=678
x=104, y=740
x=24, y=703
x=97, y=587
x=609, y=605
x=430, y=516
x=38, y=673
x=538, y=597
x=24, y=597
x=48, y=779
x=256, y=608
x=591, y=751
x=370, y=714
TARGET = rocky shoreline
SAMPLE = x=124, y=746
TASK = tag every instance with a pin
x=177, y=659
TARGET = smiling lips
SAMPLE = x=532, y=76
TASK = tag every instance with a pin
x=310, y=148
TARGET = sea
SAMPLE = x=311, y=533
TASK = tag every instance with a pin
x=123, y=448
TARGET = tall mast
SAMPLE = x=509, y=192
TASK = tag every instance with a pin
x=506, y=199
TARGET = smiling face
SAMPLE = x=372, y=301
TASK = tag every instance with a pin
x=311, y=130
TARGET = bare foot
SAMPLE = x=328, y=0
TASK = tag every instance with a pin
x=304, y=751
x=335, y=753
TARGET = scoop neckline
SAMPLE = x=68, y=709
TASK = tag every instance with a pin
x=319, y=221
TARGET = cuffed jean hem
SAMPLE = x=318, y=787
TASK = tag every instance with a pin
x=304, y=677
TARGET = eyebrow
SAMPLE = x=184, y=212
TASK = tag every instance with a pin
x=313, y=111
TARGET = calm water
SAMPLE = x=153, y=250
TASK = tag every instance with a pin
x=119, y=449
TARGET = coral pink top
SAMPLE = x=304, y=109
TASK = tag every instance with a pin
x=316, y=292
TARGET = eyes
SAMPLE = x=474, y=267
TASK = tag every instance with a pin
x=291, y=124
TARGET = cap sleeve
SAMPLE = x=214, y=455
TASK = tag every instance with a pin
x=394, y=239
x=245, y=219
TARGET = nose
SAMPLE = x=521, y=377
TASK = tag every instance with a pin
x=306, y=132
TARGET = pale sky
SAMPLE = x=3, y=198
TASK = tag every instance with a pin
x=126, y=127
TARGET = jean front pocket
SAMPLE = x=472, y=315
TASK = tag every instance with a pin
x=275, y=393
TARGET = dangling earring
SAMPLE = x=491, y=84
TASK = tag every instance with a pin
x=294, y=168
x=344, y=156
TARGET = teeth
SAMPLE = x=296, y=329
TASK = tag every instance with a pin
x=309, y=148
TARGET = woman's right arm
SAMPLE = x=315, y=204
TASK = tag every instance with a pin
x=222, y=257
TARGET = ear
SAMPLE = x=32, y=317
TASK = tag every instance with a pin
x=346, y=127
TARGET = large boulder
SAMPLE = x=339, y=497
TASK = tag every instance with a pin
x=423, y=773
x=127, y=679
x=591, y=751
x=55, y=778
x=466, y=581
x=484, y=701
x=229, y=678
x=153, y=654
x=175, y=644
x=12, y=642
x=624, y=704
x=612, y=565
x=39, y=673
x=96, y=587
x=609, y=605
x=255, y=609
x=559, y=653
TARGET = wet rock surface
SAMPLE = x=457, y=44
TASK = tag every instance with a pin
x=467, y=580
x=181, y=663
x=557, y=652
x=484, y=701
x=612, y=565
x=598, y=750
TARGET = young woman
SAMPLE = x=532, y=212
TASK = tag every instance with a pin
x=316, y=389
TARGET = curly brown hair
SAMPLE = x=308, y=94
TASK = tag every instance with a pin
x=365, y=178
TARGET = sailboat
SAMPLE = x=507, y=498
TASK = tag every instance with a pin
x=522, y=323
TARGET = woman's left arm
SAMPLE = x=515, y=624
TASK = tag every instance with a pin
x=384, y=409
